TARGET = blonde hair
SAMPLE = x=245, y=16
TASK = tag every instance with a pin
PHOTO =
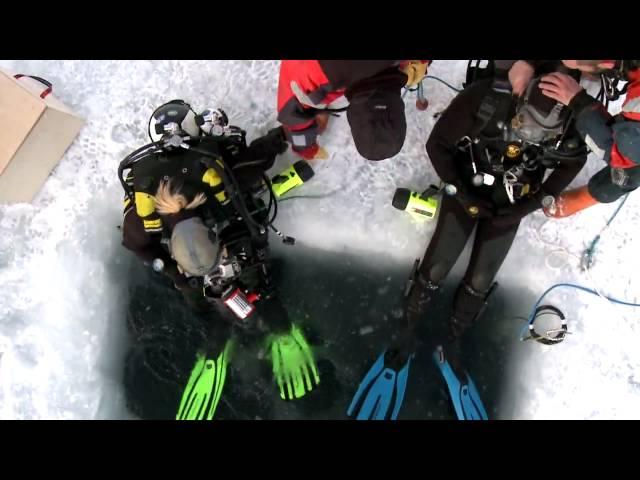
x=169, y=201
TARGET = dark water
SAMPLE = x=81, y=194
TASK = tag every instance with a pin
x=348, y=306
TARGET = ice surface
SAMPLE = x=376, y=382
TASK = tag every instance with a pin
x=63, y=273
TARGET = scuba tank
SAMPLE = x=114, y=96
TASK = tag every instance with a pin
x=243, y=233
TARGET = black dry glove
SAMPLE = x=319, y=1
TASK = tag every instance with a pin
x=509, y=216
x=271, y=144
x=171, y=271
x=192, y=291
x=475, y=206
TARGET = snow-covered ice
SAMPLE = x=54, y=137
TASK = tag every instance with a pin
x=63, y=272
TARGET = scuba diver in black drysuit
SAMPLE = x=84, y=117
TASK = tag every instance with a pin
x=194, y=211
x=491, y=150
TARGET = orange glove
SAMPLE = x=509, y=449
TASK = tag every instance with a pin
x=570, y=202
x=415, y=70
x=322, y=119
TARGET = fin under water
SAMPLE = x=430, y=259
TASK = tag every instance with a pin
x=464, y=394
x=380, y=394
x=294, y=366
x=204, y=389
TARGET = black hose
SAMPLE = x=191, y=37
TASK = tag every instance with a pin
x=233, y=188
x=128, y=162
x=250, y=163
x=272, y=201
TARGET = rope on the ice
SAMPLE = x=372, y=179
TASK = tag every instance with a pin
x=537, y=310
x=558, y=249
x=587, y=260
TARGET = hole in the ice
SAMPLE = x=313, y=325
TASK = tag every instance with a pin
x=546, y=322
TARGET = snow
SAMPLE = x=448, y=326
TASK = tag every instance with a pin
x=63, y=273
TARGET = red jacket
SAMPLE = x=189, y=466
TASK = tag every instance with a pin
x=307, y=86
x=616, y=138
x=631, y=113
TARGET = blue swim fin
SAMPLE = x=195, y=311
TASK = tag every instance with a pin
x=380, y=394
x=464, y=394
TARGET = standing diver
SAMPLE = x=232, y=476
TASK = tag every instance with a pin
x=492, y=150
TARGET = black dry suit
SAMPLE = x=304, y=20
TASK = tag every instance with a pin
x=231, y=175
x=498, y=180
x=167, y=339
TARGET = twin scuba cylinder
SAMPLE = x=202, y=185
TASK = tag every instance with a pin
x=214, y=122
